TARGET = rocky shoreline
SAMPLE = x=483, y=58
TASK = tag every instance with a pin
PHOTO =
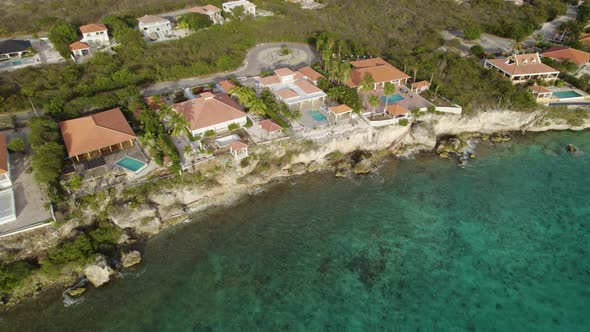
x=222, y=183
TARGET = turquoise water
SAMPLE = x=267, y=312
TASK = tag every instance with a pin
x=391, y=99
x=131, y=164
x=566, y=94
x=317, y=115
x=421, y=245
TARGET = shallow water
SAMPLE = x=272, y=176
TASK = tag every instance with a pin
x=500, y=245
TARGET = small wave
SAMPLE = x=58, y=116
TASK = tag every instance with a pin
x=70, y=300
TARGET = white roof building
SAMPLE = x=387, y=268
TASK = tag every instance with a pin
x=249, y=7
x=293, y=89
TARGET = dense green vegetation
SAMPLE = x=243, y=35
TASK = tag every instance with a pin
x=194, y=21
x=82, y=249
x=62, y=34
x=13, y=275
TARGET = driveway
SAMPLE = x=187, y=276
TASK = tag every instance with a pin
x=262, y=57
x=548, y=29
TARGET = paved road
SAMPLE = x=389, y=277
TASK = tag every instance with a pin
x=262, y=57
x=548, y=29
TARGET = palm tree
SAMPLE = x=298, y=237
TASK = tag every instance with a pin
x=257, y=107
x=244, y=94
x=177, y=124
x=374, y=102
x=344, y=71
x=368, y=82
x=388, y=90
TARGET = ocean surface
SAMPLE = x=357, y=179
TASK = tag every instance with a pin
x=421, y=245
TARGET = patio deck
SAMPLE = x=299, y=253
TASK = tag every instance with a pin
x=411, y=100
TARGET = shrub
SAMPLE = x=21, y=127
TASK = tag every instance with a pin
x=75, y=182
x=233, y=126
x=248, y=123
x=477, y=50
x=472, y=32
x=209, y=133
x=245, y=162
x=403, y=122
x=13, y=275
x=193, y=21
x=16, y=145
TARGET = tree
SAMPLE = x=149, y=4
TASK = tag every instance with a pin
x=13, y=275
x=472, y=32
x=47, y=163
x=477, y=50
x=238, y=11
x=373, y=101
x=257, y=107
x=43, y=130
x=16, y=145
x=62, y=34
x=244, y=94
x=368, y=82
x=54, y=108
x=176, y=122
x=194, y=21
x=29, y=93
x=388, y=89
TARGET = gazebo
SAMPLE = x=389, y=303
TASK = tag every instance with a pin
x=238, y=149
x=339, y=112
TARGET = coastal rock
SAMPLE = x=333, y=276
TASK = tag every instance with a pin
x=76, y=291
x=571, y=148
x=124, y=238
x=314, y=166
x=98, y=273
x=363, y=167
x=143, y=219
x=341, y=173
x=131, y=258
x=297, y=169
x=444, y=155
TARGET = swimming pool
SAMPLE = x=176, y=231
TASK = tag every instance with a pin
x=318, y=116
x=131, y=164
x=566, y=94
x=391, y=99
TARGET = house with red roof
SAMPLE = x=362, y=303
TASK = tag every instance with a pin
x=79, y=49
x=521, y=68
x=380, y=70
x=93, y=136
x=572, y=55
x=238, y=149
x=95, y=34
x=210, y=112
x=293, y=89
x=541, y=93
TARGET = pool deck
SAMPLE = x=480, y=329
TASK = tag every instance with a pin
x=556, y=100
x=411, y=100
x=310, y=123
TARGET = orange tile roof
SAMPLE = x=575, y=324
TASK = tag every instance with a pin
x=78, y=45
x=3, y=155
x=284, y=72
x=93, y=132
x=205, y=10
x=227, y=85
x=540, y=89
x=208, y=110
x=421, y=84
x=310, y=73
x=270, y=80
x=396, y=109
x=565, y=53
x=238, y=145
x=269, y=125
x=94, y=27
x=340, y=109
x=307, y=87
x=288, y=94
x=381, y=71
x=522, y=64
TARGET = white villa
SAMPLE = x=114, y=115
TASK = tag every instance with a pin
x=249, y=7
x=521, y=68
x=154, y=27
x=294, y=90
x=210, y=112
x=7, y=207
x=95, y=34
x=79, y=49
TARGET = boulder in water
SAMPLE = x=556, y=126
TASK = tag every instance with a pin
x=444, y=155
x=98, y=273
x=363, y=167
x=571, y=148
x=131, y=258
x=76, y=291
